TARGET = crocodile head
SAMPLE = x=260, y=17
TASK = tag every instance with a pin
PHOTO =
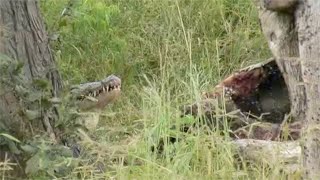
x=96, y=95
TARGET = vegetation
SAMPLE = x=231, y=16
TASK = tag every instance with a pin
x=166, y=52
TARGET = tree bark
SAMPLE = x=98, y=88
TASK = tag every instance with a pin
x=280, y=31
x=293, y=35
x=23, y=39
x=308, y=24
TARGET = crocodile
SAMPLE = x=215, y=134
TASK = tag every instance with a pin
x=88, y=99
x=84, y=106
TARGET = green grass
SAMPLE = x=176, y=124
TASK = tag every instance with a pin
x=166, y=52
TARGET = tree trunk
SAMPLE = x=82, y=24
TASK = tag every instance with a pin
x=23, y=39
x=292, y=30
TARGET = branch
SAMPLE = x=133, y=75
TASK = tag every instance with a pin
x=47, y=125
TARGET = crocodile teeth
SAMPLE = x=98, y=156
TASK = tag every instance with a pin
x=94, y=93
x=103, y=89
x=92, y=99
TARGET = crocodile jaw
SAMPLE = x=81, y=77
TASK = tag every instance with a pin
x=107, y=98
x=96, y=95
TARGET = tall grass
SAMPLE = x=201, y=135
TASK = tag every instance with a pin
x=166, y=52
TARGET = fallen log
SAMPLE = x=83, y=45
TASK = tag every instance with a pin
x=285, y=155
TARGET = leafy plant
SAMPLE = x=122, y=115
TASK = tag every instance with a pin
x=87, y=35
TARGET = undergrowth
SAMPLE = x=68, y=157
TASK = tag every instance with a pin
x=167, y=53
